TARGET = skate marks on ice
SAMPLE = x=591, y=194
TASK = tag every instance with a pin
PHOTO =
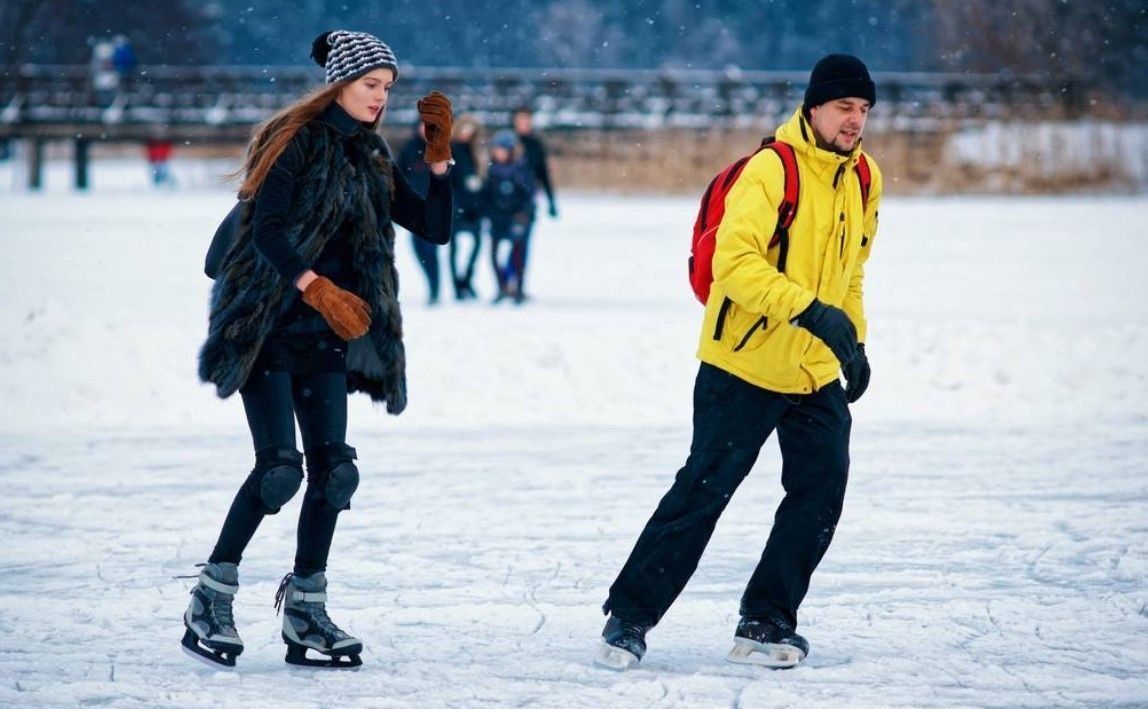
x=970, y=566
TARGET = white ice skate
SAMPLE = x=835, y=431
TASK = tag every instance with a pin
x=767, y=643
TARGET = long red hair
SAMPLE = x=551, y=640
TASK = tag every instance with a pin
x=272, y=136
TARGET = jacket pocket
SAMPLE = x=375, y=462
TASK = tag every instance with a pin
x=755, y=334
x=737, y=329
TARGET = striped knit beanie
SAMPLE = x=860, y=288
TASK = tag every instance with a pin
x=348, y=55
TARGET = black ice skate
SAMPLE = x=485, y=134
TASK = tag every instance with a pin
x=623, y=644
x=211, y=636
x=769, y=643
x=306, y=625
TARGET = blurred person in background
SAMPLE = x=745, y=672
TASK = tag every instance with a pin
x=102, y=71
x=522, y=121
x=124, y=58
x=412, y=164
x=305, y=309
x=158, y=151
x=466, y=185
x=508, y=202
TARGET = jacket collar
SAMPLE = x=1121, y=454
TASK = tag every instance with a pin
x=823, y=163
x=334, y=116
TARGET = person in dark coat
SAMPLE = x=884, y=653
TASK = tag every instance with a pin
x=305, y=310
x=534, y=151
x=412, y=164
x=466, y=184
x=508, y=202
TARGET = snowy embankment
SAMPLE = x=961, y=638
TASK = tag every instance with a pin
x=991, y=551
x=1072, y=152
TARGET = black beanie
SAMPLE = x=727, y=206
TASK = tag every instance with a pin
x=839, y=76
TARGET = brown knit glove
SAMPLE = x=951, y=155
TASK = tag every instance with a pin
x=434, y=111
x=347, y=314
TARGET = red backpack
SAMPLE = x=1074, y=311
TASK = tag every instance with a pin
x=713, y=209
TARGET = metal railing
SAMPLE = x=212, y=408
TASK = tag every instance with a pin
x=60, y=101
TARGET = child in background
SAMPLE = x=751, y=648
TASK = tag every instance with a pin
x=508, y=202
x=158, y=155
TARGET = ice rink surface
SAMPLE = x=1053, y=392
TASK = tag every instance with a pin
x=991, y=553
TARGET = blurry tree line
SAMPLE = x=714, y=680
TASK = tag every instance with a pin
x=1101, y=42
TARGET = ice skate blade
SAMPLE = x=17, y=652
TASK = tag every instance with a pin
x=297, y=655
x=614, y=658
x=215, y=659
x=774, y=656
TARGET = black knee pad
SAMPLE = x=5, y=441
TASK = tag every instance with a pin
x=332, y=474
x=276, y=478
x=341, y=485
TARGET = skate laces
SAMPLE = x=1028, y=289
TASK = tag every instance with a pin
x=316, y=610
x=318, y=613
x=626, y=631
x=282, y=592
x=764, y=628
x=221, y=608
x=219, y=603
x=191, y=576
x=636, y=629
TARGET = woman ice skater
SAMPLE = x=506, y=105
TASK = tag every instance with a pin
x=304, y=311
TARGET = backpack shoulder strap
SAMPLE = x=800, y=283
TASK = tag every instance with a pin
x=787, y=210
x=865, y=175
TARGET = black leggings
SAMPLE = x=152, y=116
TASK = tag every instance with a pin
x=273, y=400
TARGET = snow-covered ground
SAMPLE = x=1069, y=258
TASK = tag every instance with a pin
x=992, y=550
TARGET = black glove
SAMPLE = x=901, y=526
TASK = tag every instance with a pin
x=833, y=327
x=857, y=375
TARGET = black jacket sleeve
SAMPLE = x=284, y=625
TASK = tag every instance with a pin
x=429, y=218
x=540, y=165
x=525, y=183
x=272, y=206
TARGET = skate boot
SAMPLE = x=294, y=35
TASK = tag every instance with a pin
x=211, y=636
x=623, y=644
x=306, y=625
x=768, y=642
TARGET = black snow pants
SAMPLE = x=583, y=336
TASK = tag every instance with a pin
x=732, y=420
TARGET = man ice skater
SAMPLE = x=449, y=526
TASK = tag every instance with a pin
x=783, y=320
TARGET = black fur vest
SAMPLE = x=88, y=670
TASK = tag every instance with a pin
x=338, y=184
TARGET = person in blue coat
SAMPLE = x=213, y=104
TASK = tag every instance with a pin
x=508, y=202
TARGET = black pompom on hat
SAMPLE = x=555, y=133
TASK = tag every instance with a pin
x=839, y=76
x=348, y=55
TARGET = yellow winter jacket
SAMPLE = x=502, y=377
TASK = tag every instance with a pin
x=747, y=329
